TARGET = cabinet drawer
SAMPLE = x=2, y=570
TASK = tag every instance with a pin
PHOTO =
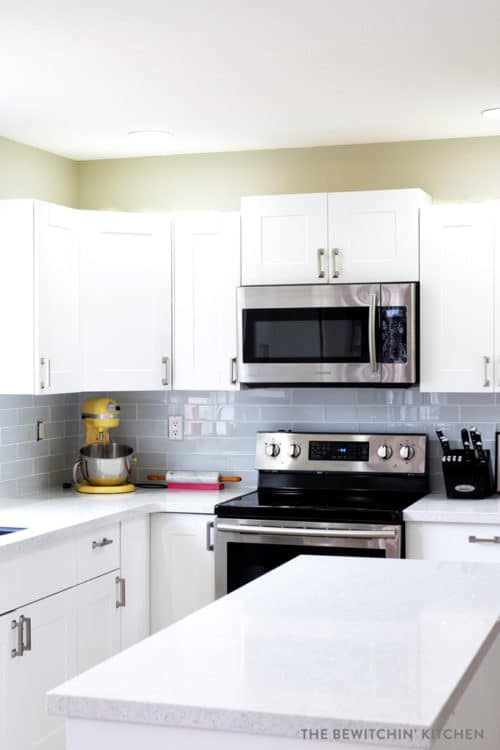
x=34, y=573
x=453, y=541
x=98, y=552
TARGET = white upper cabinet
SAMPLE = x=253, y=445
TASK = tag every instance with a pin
x=39, y=298
x=125, y=301
x=206, y=275
x=457, y=298
x=339, y=238
x=284, y=239
x=373, y=235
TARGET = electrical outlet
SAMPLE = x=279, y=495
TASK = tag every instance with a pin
x=175, y=428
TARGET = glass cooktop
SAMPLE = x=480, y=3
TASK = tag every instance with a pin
x=371, y=507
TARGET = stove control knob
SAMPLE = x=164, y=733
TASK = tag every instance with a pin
x=406, y=452
x=384, y=452
x=272, y=449
x=294, y=450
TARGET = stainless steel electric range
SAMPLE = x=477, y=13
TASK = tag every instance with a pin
x=320, y=494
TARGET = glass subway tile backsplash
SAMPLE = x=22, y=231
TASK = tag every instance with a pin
x=220, y=427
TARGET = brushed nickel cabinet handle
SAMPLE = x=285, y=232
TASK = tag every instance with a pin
x=45, y=363
x=335, y=253
x=234, y=371
x=164, y=380
x=210, y=544
x=486, y=383
x=103, y=543
x=122, y=595
x=21, y=645
x=321, y=273
x=492, y=540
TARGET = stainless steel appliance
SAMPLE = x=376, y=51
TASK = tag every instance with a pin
x=328, y=334
x=319, y=493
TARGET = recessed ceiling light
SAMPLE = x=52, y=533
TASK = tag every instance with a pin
x=492, y=114
x=151, y=133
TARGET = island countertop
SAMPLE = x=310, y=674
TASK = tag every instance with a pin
x=319, y=642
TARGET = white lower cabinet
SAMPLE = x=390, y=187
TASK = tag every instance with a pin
x=453, y=541
x=62, y=634
x=133, y=593
x=26, y=677
x=182, y=566
x=97, y=621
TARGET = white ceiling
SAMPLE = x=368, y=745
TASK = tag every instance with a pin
x=77, y=75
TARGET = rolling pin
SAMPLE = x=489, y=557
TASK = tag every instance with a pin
x=192, y=477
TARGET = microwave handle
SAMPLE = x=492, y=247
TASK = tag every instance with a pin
x=372, y=342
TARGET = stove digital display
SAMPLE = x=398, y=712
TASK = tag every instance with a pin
x=329, y=450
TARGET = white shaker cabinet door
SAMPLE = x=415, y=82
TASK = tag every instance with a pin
x=25, y=679
x=284, y=239
x=457, y=298
x=39, y=298
x=57, y=345
x=97, y=621
x=374, y=235
x=206, y=276
x=125, y=308
x=182, y=566
x=135, y=576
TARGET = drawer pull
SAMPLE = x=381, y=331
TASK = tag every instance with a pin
x=103, y=543
x=491, y=539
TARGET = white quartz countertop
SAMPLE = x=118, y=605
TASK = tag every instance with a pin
x=57, y=511
x=437, y=508
x=319, y=642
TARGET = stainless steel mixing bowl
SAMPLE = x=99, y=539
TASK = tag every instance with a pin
x=104, y=464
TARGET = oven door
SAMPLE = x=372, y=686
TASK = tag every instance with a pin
x=246, y=549
x=308, y=334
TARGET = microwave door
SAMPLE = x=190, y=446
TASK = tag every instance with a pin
x=307, y=335
x=398, y=348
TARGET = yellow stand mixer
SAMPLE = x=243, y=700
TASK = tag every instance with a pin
x=103, y=467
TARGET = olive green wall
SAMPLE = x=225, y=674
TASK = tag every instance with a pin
x=27, y=172
x=450, y=170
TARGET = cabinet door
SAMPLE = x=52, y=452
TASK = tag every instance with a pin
x=457, y=298
x=57, y=345
x=284, y=239
x=97, y=621
x=17, y=289
x=125, y=287
x=206, y=275
x=27, y=678
x=182, y=566
x=134, y=571
x=374, y=235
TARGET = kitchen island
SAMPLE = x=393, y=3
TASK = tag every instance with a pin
x=349, y=651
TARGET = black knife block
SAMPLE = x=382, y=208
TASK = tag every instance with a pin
x=466, y=477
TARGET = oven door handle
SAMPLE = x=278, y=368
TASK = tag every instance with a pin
x=304, y=531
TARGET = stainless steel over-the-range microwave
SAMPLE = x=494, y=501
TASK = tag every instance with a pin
x=337, y=334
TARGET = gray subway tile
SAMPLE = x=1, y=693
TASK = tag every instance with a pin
x=9, y=417
x=9, y=488
x=15, y=402
x=21, y=434
x=17, y=469
x=324, y=396
x=33, y=413
x=293, y=413
x=33, y=484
